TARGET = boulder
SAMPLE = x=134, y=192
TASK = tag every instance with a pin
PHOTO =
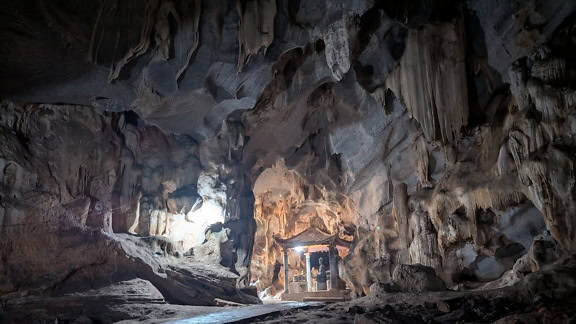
x=379, y=289
x=417, y=278
x=556, y=282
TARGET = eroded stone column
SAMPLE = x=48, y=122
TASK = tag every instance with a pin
x=400, y=204
x=308, y=272
x=285, y=252
x=333, y=269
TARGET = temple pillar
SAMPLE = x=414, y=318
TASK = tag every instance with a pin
x=308, y=272
x=285, y=252
x=333, y=268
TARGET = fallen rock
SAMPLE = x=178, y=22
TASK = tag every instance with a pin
x=417, y=278
x=554, y=283
x=380, y=288
x=443, y=306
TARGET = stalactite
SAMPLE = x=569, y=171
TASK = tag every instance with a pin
x=519, y=147
x=256, y=27
x=545, y=102
x=486, y=198
x=503, y=160
x=136, y=47
x=162, y=37
x=431, y=80
x=337, y=49
x=518, y=78
x=191, y=13
x=539, y=186
x=549, y=70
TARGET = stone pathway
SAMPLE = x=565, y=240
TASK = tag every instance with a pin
x=246, y=314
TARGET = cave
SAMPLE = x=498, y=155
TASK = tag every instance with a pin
x=162, y=160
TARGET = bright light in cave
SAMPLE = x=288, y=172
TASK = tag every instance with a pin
x=210, y=213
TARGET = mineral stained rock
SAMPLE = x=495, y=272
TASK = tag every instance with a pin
x=163, y=144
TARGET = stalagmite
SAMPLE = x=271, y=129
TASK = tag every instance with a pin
x=401, y=213
x=422, y=162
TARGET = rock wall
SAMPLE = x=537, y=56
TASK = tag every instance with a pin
x=74, y=179
x=422, y=145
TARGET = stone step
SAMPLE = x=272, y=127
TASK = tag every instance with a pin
x=325, y=299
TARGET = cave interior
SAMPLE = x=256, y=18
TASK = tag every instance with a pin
x=155, y=154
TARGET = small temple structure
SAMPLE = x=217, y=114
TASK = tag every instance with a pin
x=328, y=284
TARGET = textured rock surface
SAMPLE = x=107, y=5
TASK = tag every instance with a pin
x=74, y=179
x=145, y=139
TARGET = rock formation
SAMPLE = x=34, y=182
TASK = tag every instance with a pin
x=163, y=144
x=74, y=180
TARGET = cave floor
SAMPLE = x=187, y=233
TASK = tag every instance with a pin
x=247, y=314
x=481, y=306
x=488, y=306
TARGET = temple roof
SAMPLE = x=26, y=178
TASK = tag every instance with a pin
x=311, y=236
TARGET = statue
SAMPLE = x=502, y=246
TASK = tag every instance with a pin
x=321, y=277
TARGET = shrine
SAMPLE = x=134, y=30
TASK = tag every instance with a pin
x=326, y=285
